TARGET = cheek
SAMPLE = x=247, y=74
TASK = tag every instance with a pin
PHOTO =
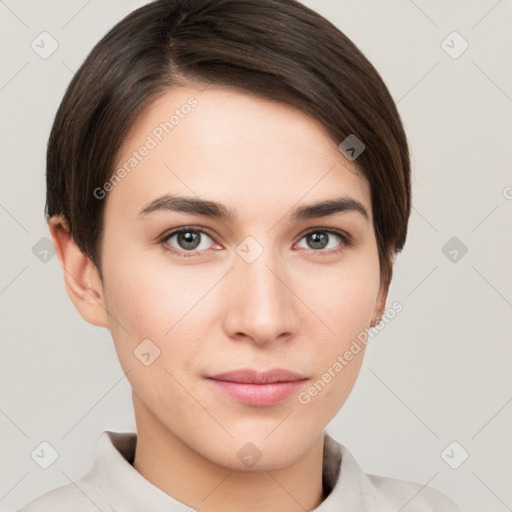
x=345, y=303
x=147, y=305
x=145, y=293
x=339, y=355
x=148, y=299
x=354, y=304
x=345, y=297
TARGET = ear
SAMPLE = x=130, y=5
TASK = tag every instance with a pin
x=81, y=277
x=380, y=304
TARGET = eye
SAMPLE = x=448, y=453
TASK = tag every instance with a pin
x=190, y=241
x=320, y=239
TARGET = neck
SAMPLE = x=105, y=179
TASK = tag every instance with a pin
x=194, y=480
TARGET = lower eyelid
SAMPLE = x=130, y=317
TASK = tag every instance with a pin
x=345, y=240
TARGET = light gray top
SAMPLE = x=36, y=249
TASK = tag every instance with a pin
x=113, y=485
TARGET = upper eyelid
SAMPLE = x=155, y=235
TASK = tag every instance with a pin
x=182, y=229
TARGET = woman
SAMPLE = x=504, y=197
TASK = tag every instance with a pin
x=228, y=182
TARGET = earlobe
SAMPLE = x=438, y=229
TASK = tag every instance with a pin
x=81, y=277
x=380, y=305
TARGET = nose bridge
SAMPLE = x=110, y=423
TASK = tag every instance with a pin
x=263, y=307
x=256, y=267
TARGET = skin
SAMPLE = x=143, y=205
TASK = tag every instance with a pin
x=295, y=306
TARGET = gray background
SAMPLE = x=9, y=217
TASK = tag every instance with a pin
x=439, y=372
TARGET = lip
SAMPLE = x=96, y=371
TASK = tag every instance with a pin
x=258, y=388
x=249, y=376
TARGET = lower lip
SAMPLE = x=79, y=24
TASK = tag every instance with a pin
x=258, y=394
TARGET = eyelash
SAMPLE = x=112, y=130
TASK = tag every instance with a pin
x=345, y=238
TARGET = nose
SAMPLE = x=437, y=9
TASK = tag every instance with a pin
x=262, y=305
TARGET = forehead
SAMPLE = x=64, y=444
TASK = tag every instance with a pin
x=226, y=145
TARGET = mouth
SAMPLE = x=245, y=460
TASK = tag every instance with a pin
x=258, y=388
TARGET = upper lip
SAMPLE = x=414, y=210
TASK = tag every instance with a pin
x=259, y=377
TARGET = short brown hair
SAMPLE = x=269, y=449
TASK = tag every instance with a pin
x=277, y=49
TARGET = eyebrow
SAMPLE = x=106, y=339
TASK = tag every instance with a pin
x=213, y=209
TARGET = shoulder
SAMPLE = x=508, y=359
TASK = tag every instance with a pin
x=79, y=496
x=376, y=492
x=409, y=496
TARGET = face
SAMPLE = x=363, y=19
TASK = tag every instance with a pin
x=261, y=288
